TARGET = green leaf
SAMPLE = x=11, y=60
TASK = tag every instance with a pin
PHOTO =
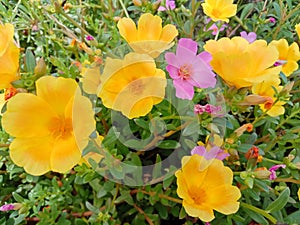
x=18, y=197
x=29, y=61
x=169, y=144
x=157, y=167
x=246, y=10
x=256, y=217
x=280, y=202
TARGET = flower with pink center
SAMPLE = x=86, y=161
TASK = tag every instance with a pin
x=273, y=171
x=250, y=37
x=170, y=5
x=214, y=153
x=189, y=70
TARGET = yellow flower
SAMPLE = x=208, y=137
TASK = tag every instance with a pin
x=298, y=194
x=150, y=37
x=50, y=128
x=132, y=85
x=206, y=185
x=219, y=9
x=241, y=63
x=90, y=79
x=9, y=56
x=297, y=28
x=265, y=89
x=288, y=55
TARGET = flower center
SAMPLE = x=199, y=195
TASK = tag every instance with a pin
x=61, y=127
x=216, y=13
x=136, y=87
x=185, y=71
x=198, y=195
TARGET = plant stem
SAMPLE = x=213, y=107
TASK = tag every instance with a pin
x=124, y=8
x=260, y=211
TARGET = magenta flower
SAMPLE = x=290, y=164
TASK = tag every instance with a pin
x=272, y=20
x=170, y=5
x=89, y=38
x=7, y=207
x=214, y=153
x=273, y=171
x=216, y=29
x=250, y=37
x=189, y=70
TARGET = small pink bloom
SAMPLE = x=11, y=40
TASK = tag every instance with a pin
x=188, y=70
x=272, y=20
x=273, y=171
x=214, y=152
x=250, y=37
x=89, y=38
x=170, y=5
x=7, y=207
x=208, y=108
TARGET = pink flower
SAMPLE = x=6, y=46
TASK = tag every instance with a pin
x=273, y=171
x=272, y=20
x=188, y=70
x=208, y=108
x=216, y=29
x=250, y=37
x=7, y=207
x=214, y=152
x=170, y=5
x=89, y=38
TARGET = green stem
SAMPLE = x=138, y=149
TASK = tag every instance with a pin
x=260, y=211
x=124, y=8
x=241, y=23
x=272, y=161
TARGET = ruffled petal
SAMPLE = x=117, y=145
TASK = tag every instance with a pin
x=149, y=27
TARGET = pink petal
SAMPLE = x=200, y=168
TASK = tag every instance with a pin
x=172, y=59
x=186, y=43
x=183, y=89
x=173, y=72
x=206, y=57
x=202, y=77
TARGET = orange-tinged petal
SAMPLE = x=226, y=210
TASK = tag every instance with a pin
x=224, y=199
x=32, y=153
x=57, y=92
x=276, y=110
x=65, y=154
x=27, y=116
x=149, y=27
x=127, y=29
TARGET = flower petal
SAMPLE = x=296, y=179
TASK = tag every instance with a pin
x=32, y=153
x=57, y=92
x=184, y=89
x=127, y=29
x=149, y=27
x=27, y=116
x=169, y=32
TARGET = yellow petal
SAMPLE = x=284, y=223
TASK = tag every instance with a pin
x=80, y=111
x=152, y=48
x=227, y=204
x=149, y=27
x=91, y=80
x=276, y=110
x=27, y=116
x=6, y=34
x=65, y=154
x=297, y=28
x=57, y=92
x=206, y=215
x=299, y=188
x=32, y=153
x=127, y=29
x=169, y=32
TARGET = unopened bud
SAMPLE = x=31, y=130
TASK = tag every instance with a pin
x=253, y=100
x=262, y=173
x=40, y=68
x=137, y=2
